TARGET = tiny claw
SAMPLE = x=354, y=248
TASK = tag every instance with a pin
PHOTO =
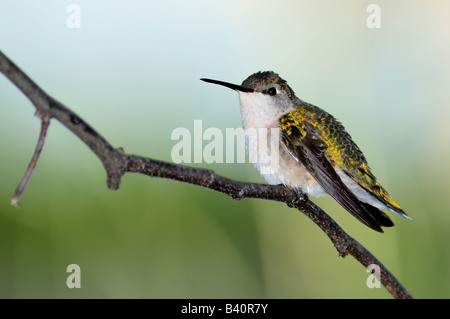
x=300, y=200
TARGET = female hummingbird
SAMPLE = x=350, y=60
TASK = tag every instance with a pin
x=315, y=154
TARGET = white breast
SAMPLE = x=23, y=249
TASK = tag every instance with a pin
x=266, y=151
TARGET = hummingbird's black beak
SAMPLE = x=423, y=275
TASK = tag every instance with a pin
x=229, y=85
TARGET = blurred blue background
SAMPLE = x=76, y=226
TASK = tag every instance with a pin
x=132, y=71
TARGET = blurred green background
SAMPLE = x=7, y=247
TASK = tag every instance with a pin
x=132, y=71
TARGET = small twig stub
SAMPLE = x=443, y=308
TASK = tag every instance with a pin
x=45, y=122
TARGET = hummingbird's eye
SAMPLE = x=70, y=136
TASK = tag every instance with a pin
x=272, y=91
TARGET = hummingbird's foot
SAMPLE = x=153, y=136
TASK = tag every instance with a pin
x=300, y=200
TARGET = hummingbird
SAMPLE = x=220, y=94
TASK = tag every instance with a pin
x=316, y=155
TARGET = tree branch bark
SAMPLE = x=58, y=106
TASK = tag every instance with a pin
x=117, y=163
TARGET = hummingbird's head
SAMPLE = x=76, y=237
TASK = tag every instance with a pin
x=264, y=98
x=270, y=83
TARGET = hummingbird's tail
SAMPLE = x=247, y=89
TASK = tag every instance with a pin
x=390, y=204
x=378, y=215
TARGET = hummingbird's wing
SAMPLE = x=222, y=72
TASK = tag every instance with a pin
x=305, y=142
x=344, y=153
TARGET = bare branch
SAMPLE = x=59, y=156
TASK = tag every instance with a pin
x=116, y=163
x=344, y=243
x=46, y=106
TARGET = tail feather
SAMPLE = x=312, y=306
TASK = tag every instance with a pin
x=393, y=206
x=378, y=215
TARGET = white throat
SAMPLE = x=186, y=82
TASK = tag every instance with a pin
x=259, y=110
